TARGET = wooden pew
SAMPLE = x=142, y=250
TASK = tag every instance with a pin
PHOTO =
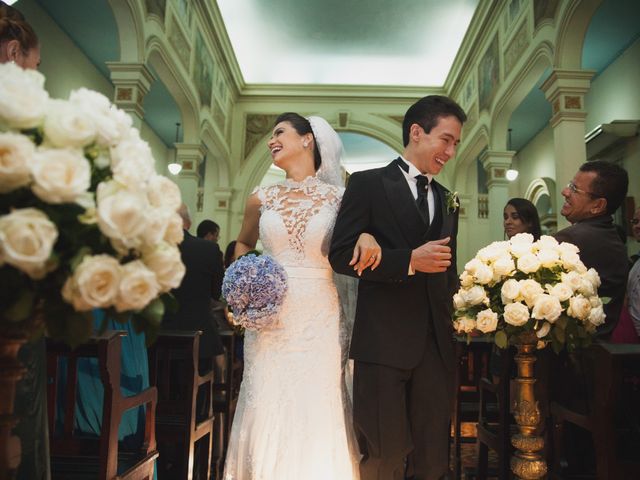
x=177, y=417
x=76, y=455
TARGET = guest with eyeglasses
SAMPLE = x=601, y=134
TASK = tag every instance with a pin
x=590, y=199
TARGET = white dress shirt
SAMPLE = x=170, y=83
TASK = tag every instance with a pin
x=413, y=185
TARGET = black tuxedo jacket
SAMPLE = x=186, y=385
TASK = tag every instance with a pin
x=602, y=249
x=200, y=284
x=396, y=311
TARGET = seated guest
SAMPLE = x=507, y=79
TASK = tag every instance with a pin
x=521, y=216
x=591, y=198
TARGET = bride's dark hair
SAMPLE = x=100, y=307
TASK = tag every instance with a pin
x=302, y=126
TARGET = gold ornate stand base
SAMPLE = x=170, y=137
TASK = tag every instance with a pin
x=527, y=463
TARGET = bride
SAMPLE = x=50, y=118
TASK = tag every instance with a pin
x=293, y=420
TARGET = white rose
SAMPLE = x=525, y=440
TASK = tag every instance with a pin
x=23, y=99
x=504, y=266
x=132, y=163
x=579, y=307
x=464, y=325
x=586, y=288
x=548, y=242
x=164, y=193
x=570, y=260
x=596, y=316
x=521, y=244
x=487, y=321
x=567, y=248
x=121, y=213
x=510, y=291
x=98, y=279
x=573, y=279
x=543, y=330
x=27, y=237
x=16, y=157
x=530, y=289
x=174, y=233
x=60, y=175
x=138, y=287
x=493, y=251
x=528, y=263
x=466, y=280
x=548, y=257
x=474, y=295
x=111, y=124
x=166, y=263
x=595, y=301
x=157, y=222
x=593, y=277
x=516, y=314
x=72, y=296
x=560, y=290
x=483, y=274
x=472, y=265
x=546, y=307
x=458, y=302
x=65, y=125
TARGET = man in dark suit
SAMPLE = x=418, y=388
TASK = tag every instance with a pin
x=210, y=230
x=402, y=337
x=595, y=193
x=203, y=271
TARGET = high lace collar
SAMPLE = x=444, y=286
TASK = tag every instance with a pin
x=310, y=181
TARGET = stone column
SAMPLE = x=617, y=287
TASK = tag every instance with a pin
x=222, y=212
x=132, y=82
x=189, y=155
x=496, y=164
x=565, y=90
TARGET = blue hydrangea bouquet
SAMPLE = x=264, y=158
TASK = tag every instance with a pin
x=254, y=287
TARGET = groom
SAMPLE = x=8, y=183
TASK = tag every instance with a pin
x=402, y=337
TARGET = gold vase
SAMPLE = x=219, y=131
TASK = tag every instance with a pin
x=527, y=462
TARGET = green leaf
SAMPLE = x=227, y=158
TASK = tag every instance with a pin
x=77, y=258
x=154, y=312
x=501, y=339
x=22, y=308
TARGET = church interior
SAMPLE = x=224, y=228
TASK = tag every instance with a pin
x=546, y=85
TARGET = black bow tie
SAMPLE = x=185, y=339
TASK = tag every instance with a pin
x=422, y=182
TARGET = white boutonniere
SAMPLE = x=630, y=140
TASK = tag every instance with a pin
x=453, y=203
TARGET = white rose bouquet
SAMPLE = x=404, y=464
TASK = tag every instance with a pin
x=517, y=286
x=85, y=221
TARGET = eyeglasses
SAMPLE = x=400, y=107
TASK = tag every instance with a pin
x=635, y=221
x=572, y=186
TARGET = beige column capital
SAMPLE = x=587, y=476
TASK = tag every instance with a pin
x=190, y=156
x=223, y=196
x=496, y=163
x=565, y=90
x=132, y=82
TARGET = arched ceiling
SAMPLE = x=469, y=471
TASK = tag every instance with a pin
x=373, y=42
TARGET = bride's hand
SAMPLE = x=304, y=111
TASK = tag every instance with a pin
x=366, y=253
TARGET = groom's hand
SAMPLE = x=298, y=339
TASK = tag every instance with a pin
x=432, y=257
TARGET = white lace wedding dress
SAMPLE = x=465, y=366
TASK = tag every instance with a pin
x=293, y=419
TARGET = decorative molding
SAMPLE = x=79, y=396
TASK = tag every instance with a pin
x=489, y=74
x=516, y=48
x=256, y=126
x=179, y=41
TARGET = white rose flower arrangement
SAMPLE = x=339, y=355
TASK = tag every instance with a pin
x=85, y=221
x=521, y=285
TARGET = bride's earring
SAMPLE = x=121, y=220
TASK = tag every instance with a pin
x=305, y=144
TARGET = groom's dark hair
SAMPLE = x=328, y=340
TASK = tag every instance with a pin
x=427, y=111
x=302, y=126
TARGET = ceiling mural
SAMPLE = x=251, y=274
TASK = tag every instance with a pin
x=489, y=75
x=203, y=71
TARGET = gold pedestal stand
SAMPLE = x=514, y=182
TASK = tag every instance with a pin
x=527, y=462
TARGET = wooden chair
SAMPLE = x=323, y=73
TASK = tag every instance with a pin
x=494, y=420
x=613, y=417
x=226, y=397
x=173, y=367
x=472, y=364
x=77, y=456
